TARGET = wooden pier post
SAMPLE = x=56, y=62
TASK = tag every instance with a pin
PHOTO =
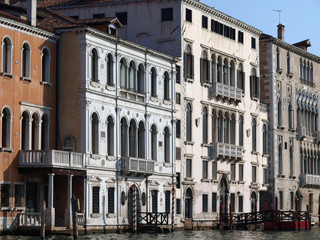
x=43, y=221
x=74, y=201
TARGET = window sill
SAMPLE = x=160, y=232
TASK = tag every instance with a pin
x=279, y=70
x=205, y=145
x=167, y=102
x=280, y=127
x=111, y=215
x=254, y=152
x=190, y=80
x=206, y=84
x=291, y=130
x=265, y=155
x=26, y=79
x=241, y=182
x=5, y=74
x=214, y=181
x=189, y=143
x=292, y=177
x=20, y=208
x=265, y=185
x=189, y=179
x=111, y=88
x=205, y=180
x=233, y=182
x=96, y=215
x=6, y=208
x=4, y=149
x=255, y=99
x=280, y=175
x=46, y=84
x=290, y=74
x=167, y=165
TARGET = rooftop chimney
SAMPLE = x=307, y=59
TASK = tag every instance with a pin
x=5, y=1
x=32, y=12
x=281, y=31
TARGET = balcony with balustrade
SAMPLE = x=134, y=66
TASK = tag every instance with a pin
x=136, y=166
x=226, y=151
x=227, y=92
x=309, y=180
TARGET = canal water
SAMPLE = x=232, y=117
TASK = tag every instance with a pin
x=314, y=234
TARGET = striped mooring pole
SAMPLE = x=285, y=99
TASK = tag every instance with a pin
x=173, y=207
x=134, y=205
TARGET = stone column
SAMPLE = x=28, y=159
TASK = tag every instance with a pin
x=50, y=215
x=68, y=210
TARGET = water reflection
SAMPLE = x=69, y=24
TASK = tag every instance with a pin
x=314, y=234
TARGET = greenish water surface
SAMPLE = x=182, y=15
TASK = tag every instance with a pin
x=313, y=234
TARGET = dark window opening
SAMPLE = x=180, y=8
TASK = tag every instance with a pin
x=178, y=74
x=205, y=22
x=95, y=199
x=253, y=43
x=111, y=200
x=166, y=14
x=240, y=37
x=178, y=129
x=167, y=202
x=188, y=15
x=178, y=203
x=204, y=202
x=214, y=202
x=122, y=17
x=99, y=15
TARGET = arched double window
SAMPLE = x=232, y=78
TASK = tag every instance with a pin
x=46, y=57
x=189, y=122
x=26, y=60
x=94, y=134
x=254, y=84
x=205, y=67
x=110, y=80
x=204, y=125
x=94, y=65
x=166, y=145
x=188, y=62
x=7, y=55
x=166, y=86
x=153, y=82
x=6, y=128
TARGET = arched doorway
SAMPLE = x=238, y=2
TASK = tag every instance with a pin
x=253, y=201
x=130, y=204
x=224, y=195
x=188, y=203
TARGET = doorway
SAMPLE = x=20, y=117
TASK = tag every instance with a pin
x=188, y=203
x=32, y=197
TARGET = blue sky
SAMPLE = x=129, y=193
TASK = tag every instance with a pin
x=301, y=17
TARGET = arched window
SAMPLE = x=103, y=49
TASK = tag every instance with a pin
x=132, y=139
x=188, y=62
x=110, y=81
x=123, y=74
x=189, y=122
x=124, y=137
x=214, y=68
x=301, y=69
x=166, y=86
x=232, y=74
x=45, y=133
x=205, y=125
x=141, y=140
x=288, y=62
x=26, y=60
x=305, y=72
x=240, y=130
x=167, y=145
x=204, y=66
x=291, y=161
x=45, y=65
x=6, y=128
x=69, y=143
x=280, y=158
x=241, y=78
x=110, y=136
x=94, y=134
x=311, y=73
x=225, y=71
x=25, y=133
x=220, y=127
x=94, y=65
x=278, y=59
x=132, y=76
x=154, y=143
x=254, y=134
x=233, y=130
x=219, y=69
x=214, y=126
x=308, y=72
x=141, y=78
x=153, y=82
x=254, y=84
x=226, y=126
x=279, y=112
x=35, y=132
x=7, y=56
x=264, y=139
x=290, y=114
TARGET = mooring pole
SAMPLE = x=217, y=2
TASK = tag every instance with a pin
x=134, y=208
x=74, y=201
x=43, y=221
x=173, y=208
x=255, y=212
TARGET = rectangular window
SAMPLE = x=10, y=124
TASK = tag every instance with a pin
x=240, y=172
x=178, y=180
x=18, y=195
x=167, y=202
x=204, y=169
x=178, y=98
x=280, y=200
x=111, y=200
x=166, y=14
x=204, y=202
x=212, y=25
x=311, y=202
x=214, y=202
x=291, y=200
x=178, y=203
x=226, y=31
x=233, y=171
x=188, y=168
x=232, y=33
x=178, y=153
x=253, y=43
x=205, y=22
x=5, y=194
x=188, y=15
x=97, y=16
x=265, y=175
x=240, y=206
x=122, y=17
x=178, y=128
x=240, y=37
x=214, y=170
x=178, y=74
x=95, y=199
x=154, y=196
x=233, y=201
x=254, y=174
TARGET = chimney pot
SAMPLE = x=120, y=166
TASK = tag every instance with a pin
x=281, y=31
x=32, y=12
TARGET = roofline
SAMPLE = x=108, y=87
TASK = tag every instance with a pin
x=194, y=3
x=291, y=48
x=106, y=36
x=8, y=22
